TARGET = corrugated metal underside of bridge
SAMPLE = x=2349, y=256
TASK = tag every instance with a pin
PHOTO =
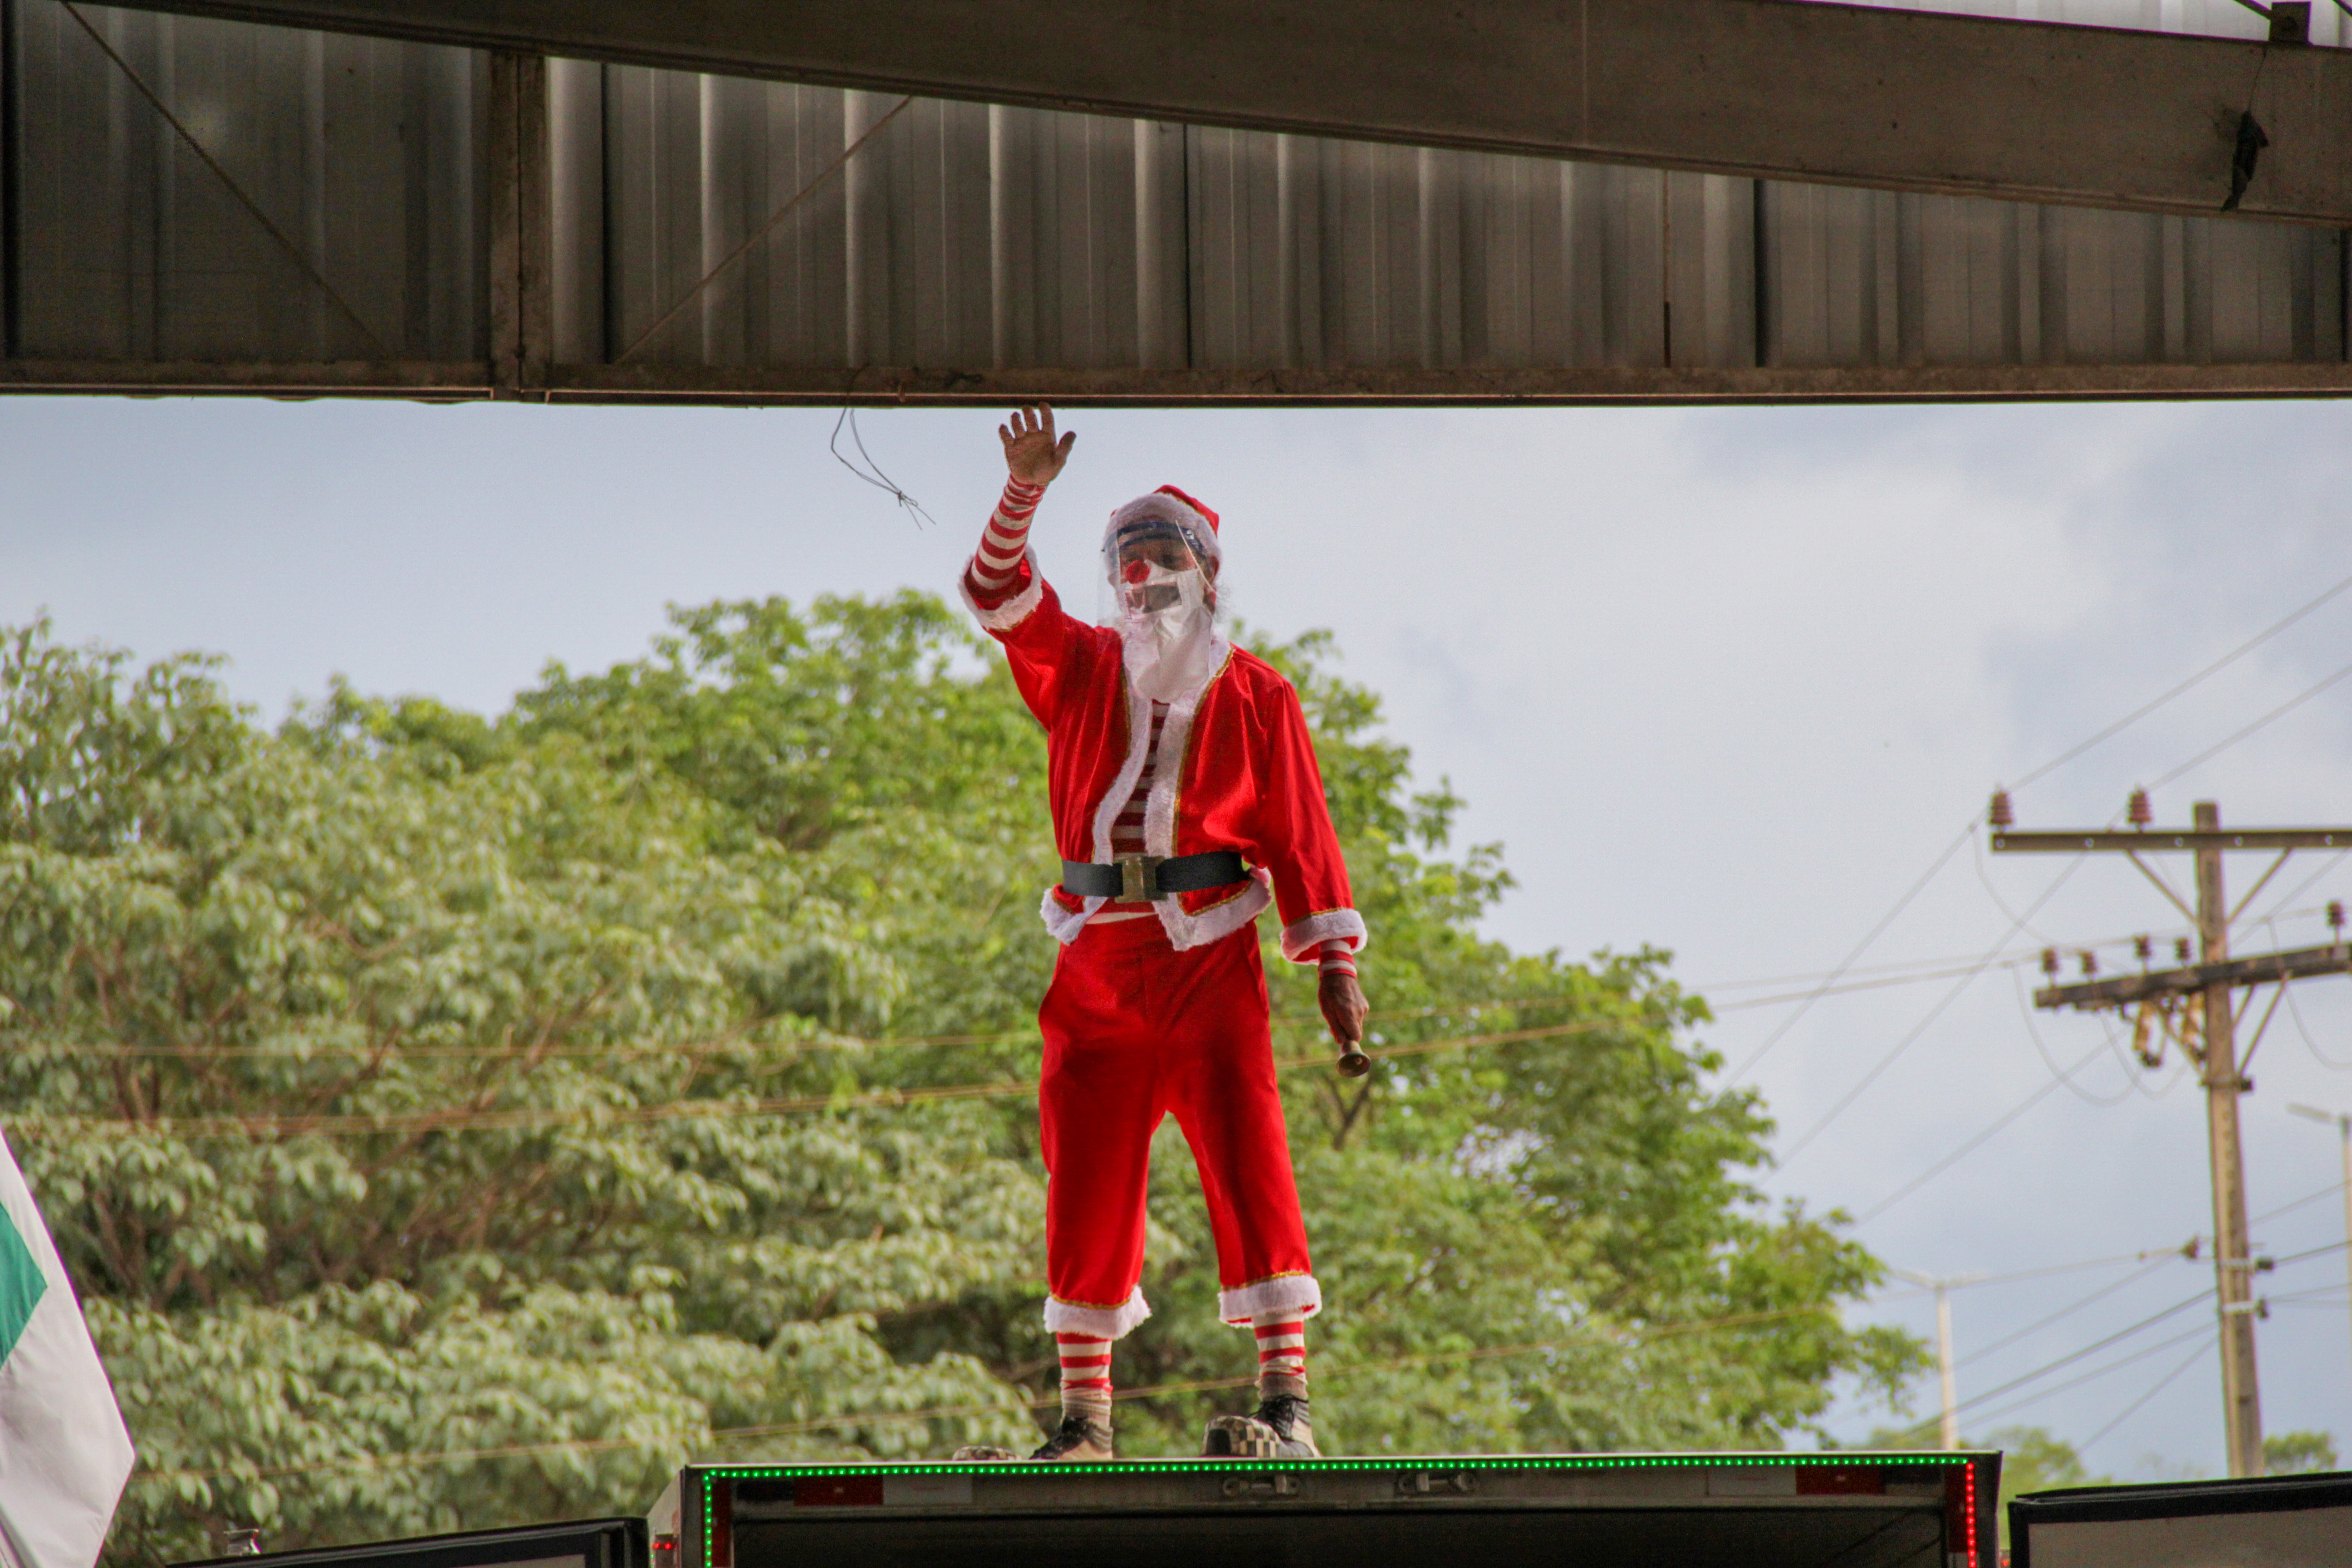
x=323, y=220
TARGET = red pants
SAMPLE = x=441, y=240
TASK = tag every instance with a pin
x=1134, y=1032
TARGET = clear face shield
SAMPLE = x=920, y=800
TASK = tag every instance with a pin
x=1159, y=592
x=1144, y=566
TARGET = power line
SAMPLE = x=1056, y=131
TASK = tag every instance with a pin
x=1921, y=1027
x=1789, y=1023
x=535, y=1118
x=1972, y=1281
x=1631, y=1337
x=2072, y=1357
x=1924, y=1177
x=2328, y=1191
x=2158, y=1387
x=2213, y=751
x=2068, y=1311
x=2043, y=771
x=2136, y=714
x=2025, y=1015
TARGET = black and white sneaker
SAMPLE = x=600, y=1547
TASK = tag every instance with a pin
x=1078, y=1439
x=1280, y=1430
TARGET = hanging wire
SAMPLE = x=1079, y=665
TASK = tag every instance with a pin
x=2321, y=1057
x=872, y=473
x=2025, y=1011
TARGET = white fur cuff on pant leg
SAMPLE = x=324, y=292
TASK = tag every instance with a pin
x=1102, y=1323
x=1288, y=1293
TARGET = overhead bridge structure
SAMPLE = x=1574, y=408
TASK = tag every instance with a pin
x=1172, y=201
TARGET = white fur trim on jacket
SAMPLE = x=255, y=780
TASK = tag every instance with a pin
x=1301, y=942
x=1286, y=1293
x=1102, y=1323
x=1167, y=509
x=1014, y=610
x=1184, y=929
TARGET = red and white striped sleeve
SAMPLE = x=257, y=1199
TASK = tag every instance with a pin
x=1336, y=956
x=995, y=568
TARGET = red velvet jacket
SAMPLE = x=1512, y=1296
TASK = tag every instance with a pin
x=1247, y=780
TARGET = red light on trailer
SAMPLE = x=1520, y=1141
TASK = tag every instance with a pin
x=1971, y=1468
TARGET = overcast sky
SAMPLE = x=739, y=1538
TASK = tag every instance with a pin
x=1726, y=682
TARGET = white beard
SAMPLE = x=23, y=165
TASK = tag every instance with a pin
x=1171, y=651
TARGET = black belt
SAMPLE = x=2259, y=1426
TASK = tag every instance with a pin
x=1141, y=878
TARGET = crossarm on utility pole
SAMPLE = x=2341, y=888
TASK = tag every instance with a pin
x=2263, y=969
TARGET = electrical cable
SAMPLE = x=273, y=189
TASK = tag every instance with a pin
x=2158, y=1387
x=1924, y=1177
x=875, y=477
x=2071, y=1357
x=536, y=1118
x=1967, y=831
x=2100, y=1294
x=2218, y=748
x=1781, y=1161
x=2321, y=1057
x=2034, y=1032
x=2043, y=771
x=847, y=1418
x=2328, y=1191
x=2301, y=888
x=2014, y=1405
x=2136, y=714
x=2075, y=1382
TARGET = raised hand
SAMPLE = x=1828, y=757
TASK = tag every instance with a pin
x=1031, y=453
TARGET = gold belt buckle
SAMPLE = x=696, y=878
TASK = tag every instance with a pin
x=1138, y=877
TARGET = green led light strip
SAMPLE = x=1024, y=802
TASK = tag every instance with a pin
x=1858, y=1460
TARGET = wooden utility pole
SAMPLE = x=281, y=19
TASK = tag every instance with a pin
x=2242, y=1398
x=2200, y=997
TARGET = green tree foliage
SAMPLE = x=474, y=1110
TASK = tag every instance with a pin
x=2294, y=1453
x=458, y=1121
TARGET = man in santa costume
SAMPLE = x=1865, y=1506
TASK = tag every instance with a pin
x=1185, y=800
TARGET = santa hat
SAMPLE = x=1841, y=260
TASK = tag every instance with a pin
x=1170, y=505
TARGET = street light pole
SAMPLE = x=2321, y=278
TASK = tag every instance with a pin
x=2343, y=1120
x=1943, y=1288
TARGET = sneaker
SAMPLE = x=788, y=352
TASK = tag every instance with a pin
x=1294, y=1430
x=1280, y=1430
x=1239, y=1438
x=1076, y=1439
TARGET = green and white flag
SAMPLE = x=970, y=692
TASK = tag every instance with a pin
x=63, y=1453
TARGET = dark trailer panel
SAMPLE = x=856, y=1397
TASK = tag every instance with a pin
x=1728, y=1510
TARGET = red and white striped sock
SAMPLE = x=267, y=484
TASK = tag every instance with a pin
x=1005, y=539
x=1281, y=1356
x=1085, y=1377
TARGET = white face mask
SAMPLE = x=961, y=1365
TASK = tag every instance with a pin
x=1171, y=649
